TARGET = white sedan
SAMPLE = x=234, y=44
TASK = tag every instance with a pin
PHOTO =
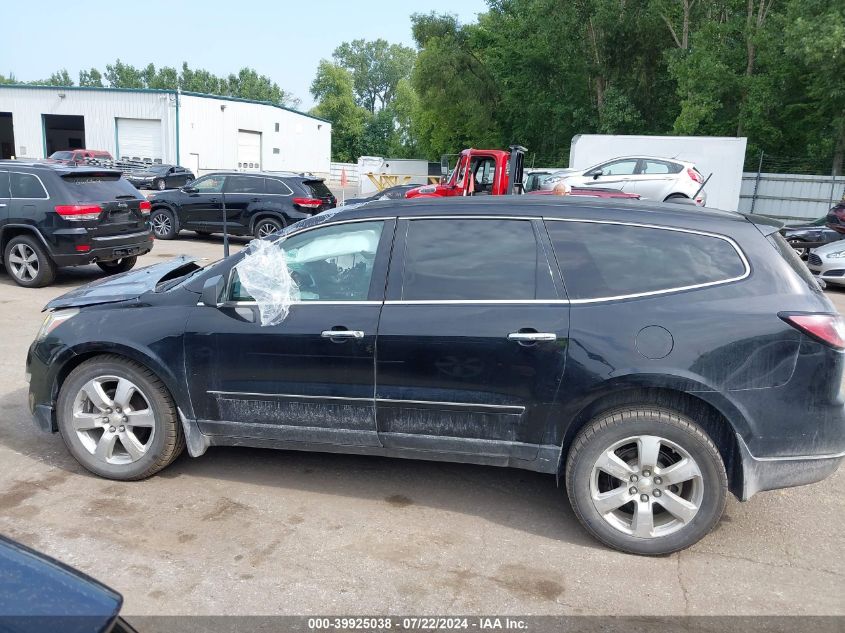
x=828, y=262
x=652, y=178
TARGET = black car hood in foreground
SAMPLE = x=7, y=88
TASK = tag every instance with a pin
x=128, y=285
x=39, y=594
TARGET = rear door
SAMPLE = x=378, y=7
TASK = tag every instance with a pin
x=653, y=178
x=242, y=196
x=472, y=338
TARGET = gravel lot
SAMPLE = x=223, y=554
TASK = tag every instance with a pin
x=245, y=531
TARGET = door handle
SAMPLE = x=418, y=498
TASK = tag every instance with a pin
x=2, y=204
x=342, y=334
x=532, y=337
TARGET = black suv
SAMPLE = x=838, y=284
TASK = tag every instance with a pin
x=256, y=204
x=651, y=358
x=55, y=215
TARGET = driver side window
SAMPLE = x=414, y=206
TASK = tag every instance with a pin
x=209, y=184
x=331, y=263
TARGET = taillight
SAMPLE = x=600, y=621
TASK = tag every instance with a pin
x=825, y=328
x=308, y=203
x=79, y=212
x=692, y=173
x=145, y=207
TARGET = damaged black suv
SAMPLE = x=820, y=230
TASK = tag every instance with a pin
x=650, y=358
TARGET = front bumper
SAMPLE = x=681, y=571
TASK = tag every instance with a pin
x=772, y=473
x=832, y=271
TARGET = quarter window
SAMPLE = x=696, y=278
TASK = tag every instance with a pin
x=609, y=260
x=470, y=259
x=26, y=186
x=332, y=263
x=277, y=187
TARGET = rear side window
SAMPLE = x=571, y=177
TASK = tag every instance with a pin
x=98, y=188
x=244, y=184
x=4, y=184
x=277, y=187
x=601, y=260
x=470, y=260
x=317, y=188
x=788, y=253
x=26, y=186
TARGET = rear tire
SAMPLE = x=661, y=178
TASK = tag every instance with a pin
x=646, y=480
x=141, y=434
x=160, y=184
x=267, y=226
x=28, y=262
x=164, y=224
x=118, y=265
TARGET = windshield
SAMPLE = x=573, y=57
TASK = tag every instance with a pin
x=61, y=155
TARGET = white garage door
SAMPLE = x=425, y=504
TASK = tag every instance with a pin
x=249, y=150
x=139, y=139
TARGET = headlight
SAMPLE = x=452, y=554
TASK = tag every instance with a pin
x=53, y=320
x=836, y=255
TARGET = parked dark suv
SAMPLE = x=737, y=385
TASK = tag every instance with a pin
x=256, y=204
x=55, y=215
x=651, y=358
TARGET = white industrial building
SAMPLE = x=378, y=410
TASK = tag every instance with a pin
x=201, y=132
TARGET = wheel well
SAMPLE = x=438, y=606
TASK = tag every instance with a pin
x=265, y=215
x=710, y=419
x=14, y=231
x=676, y=195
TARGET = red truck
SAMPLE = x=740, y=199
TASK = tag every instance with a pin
x=488, y=172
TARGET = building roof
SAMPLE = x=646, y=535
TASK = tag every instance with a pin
x=160, y=91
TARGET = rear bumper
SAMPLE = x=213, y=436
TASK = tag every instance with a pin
x=107, y=249
x=771, y=473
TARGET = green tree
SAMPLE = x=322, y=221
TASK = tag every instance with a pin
x=377, y=67
x=248, y=84
x=91, y=78
x=333, y=91
x=120, y=75
x=165, y=78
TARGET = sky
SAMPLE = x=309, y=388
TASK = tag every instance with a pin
x=283, y=40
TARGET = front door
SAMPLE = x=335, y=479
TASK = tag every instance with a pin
x=613, y=175
x=472, y=339
x=202, y=205
x=308, y=377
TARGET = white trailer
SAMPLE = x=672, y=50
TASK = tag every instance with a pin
x=723, y=157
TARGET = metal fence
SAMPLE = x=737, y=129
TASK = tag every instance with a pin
x=789, y=196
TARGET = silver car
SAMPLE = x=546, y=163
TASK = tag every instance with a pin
x=651, y=178
x=828, y=262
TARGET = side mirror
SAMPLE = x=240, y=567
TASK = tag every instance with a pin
x=189, y=189
x=212, y=291
x=596, y=175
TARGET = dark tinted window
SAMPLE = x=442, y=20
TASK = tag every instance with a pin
x=61, y=155
x=244, y=184
x=317, y=188
x=98, y=188
x=4, y=184
x=277, y=186
x=607, y=260
x=788, y=253
x=470, y=260
x=26, y=186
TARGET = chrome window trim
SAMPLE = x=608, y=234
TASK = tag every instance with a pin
x=24, y=173
x=285, y=395
x=477, y=301
x=652, y=293
x=306, y=303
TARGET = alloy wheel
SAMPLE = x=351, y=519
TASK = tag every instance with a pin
x=161, y=225
x=113, y=420
x=24, y=261
x=266, y=228
x=646, y=486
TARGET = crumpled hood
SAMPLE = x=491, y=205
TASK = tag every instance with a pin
x=128, y=285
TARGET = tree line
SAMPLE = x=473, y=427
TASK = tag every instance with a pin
x=246, y=84
x=538, y=72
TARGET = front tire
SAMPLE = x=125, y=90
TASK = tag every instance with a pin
x=164, y=224
x=646, y=480
x=118, y=419
x=28, y=262
x=118, y=265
